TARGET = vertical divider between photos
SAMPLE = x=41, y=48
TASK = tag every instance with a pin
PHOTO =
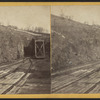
x=50, y=51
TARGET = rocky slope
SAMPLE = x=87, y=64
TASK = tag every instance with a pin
x=13, y=41
x=73, y=43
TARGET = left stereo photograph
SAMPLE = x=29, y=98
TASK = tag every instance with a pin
x=25, y=50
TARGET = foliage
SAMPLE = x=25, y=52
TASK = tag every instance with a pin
x=73, y=43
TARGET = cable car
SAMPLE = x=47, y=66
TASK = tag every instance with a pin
x=39, y=49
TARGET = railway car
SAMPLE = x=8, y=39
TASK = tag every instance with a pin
x=38, y=47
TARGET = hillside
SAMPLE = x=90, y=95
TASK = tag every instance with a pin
x=13, y=41
x=73, y=43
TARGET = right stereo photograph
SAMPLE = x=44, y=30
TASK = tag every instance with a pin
x=75, y=43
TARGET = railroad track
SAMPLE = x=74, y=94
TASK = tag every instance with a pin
x=7, y=69
x=74, y=68
x=11, y=77
x=68, y=83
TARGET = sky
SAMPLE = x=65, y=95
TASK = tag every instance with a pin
x=90, y=13
x=26, y=16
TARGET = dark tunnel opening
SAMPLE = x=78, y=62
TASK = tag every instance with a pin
x=29, y=51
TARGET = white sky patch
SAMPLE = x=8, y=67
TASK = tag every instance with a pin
x=85, y=13
x=25, y=16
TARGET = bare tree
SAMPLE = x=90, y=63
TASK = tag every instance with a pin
x=62, y=14
x=39, y=29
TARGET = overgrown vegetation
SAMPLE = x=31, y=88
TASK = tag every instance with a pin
x=73, y=43
x=13, y=41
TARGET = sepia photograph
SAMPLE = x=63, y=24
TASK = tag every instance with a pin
x=25, y=50
x=75, y=37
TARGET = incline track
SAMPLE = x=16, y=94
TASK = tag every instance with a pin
x=31, y=76
x=10, y=77
x=7, y=69
x=77, y=80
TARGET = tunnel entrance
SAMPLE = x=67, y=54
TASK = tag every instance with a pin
x=35, y=49
x=29, y=50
